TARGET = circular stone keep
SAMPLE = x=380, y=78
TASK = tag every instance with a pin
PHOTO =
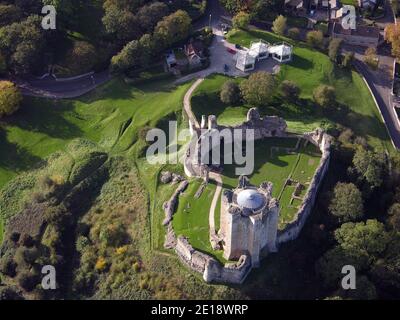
x=250, y=199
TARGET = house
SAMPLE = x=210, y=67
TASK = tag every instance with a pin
x=361, y=36
x=281, y=52
x=194, y=53
x=245, y=61
x=396, y=85
x=297, y=7
x=260, y=50
x=336, y=15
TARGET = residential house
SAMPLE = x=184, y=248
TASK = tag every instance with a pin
x=245, y=61
x=361, y=36
x=194, y=52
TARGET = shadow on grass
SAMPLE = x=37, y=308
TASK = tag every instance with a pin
x=45, y=116
x=14, y=157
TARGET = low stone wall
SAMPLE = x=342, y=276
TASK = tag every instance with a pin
x=169, y=206
x=211, y=269
x=293, y=229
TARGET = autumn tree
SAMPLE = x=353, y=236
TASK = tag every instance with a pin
x=173, y=28
x=279, y=25
x=241, y=20
x=392, y=35
x=315, y=39
x=334, y=49
x=371, y=58
x=324, y=95
x=10, y=98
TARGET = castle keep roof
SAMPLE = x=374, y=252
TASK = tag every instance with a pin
x=251, y=199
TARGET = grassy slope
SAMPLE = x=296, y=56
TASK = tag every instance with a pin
x=310, y=68
x=111, y=116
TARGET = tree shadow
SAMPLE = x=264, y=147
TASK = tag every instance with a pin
x=46, y=116
x=14, y=157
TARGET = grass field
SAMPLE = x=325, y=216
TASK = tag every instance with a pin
x=113, y=116
x=309, y=69
x=278, y=165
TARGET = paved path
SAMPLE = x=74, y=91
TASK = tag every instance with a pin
x=187, y=104
x=211, y=217
x=48, y=87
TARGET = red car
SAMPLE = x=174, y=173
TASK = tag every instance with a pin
x=230, y=50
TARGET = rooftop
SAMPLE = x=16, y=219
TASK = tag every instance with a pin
x=251, y=199
x=282, y=49
x=361, y=31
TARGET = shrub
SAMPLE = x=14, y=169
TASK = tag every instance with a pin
x=347, y=202
x=230, y=92
x=315, y=39
x=347, y=59
x=290, y=90
x=241, y=20
x=324, y=95
x=371, y=59
x=294, y=33
x=10, y=98
x=101, y=264
x=258, y=89
x=334, y=48
x=8, y=266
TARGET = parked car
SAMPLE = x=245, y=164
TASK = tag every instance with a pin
x=238, y=46
x=230, y=50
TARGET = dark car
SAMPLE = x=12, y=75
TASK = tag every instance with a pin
x=238, y=46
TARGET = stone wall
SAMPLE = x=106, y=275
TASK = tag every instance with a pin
x=169, y=206
x=292, y=230
x=211, y=269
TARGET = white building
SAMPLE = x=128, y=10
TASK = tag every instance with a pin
x=260, y=50
x=281, y=52
x=245, y=61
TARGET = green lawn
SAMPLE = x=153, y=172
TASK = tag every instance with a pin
x=309, y=69
x=112, y=117
x=191, y=217
x=276, y=166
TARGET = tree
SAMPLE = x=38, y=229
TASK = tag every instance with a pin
x=258, y=89
x=364, y=240
x=370, y=166
x=173, y=28
x=290, y=90
x=347, y=203
x=81, y=58
x=334, y=49
x=294, y=33
x=392, y=35
x=130, y=56
x=121, y=24
x=3, y=64
x=230, y=92
x=279, y=25
x=315, y=39
x=241, y=20
x=23, y=44
x=394, y=216
x=10, y=98
x=371, y=58
x=325, y=96
x=150, y=14
x=348, y=59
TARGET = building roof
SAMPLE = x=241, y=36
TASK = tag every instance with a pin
x=251, y=199
x=361, y=31
x=256, y=48
x=281, y=49
x=334, y=4
x=244, y=58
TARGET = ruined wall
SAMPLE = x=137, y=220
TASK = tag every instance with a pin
x=211, y=269
x=292, y=230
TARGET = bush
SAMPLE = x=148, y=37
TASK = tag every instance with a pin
x=371, y=59
x=347, y=59
x=230, y=92
x=315, y=39
x=334, y=48
x=294, y=33
x=10, y=98
x=325, y=96
x=290, y=90
x=347, y=203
